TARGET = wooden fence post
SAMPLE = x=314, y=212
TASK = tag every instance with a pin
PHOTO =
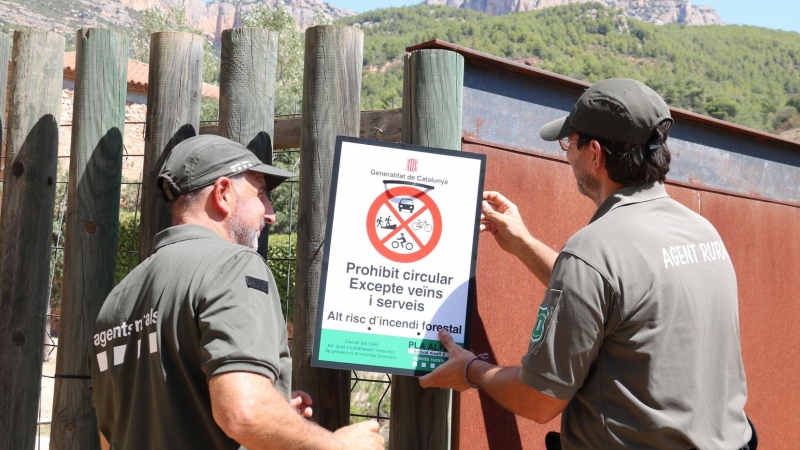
x=26, y=228
x=331, y=106
x=173, y=115
x=248, y=73
x=433, y=84
x=95, y=173
x=5, y=48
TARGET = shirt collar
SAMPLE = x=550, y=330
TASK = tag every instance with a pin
x=630, y=195
x=185, y=232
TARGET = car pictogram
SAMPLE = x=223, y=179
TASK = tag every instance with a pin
x=406, y=204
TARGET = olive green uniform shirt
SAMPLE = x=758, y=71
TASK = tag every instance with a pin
x=639, y=329
x=199, y=306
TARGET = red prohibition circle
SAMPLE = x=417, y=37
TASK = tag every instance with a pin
x=429, y=205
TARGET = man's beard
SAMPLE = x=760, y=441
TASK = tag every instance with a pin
x=587, y=185
x=242, y=234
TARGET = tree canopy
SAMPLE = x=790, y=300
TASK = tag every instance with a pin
x=291, y=41
x=746, y=75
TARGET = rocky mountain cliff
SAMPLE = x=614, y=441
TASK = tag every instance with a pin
x=66, y=16
x=218, y=15
x=654, y=11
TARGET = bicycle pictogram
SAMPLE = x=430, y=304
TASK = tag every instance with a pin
x=422, y=225
x=404, y=224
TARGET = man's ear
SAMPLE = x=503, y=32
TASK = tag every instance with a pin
x=598, y=156
x=222, y=196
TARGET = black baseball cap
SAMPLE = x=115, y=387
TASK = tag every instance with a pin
x=200, y=160
x=616, y=109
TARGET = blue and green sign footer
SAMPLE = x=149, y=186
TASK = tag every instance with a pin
x=380, y=350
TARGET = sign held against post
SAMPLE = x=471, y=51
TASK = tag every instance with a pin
x=399, y=257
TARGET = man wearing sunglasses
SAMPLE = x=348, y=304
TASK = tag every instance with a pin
x=636, y=342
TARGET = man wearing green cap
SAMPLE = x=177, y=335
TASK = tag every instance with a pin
x=636, y=342
x=190, y=349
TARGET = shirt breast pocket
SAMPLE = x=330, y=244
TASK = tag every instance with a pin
x=544, y=317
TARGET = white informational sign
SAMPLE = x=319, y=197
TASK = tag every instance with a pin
x=399, y=257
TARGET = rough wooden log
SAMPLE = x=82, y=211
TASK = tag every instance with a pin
x=173, y=115
x=382, y=125
x=26, y=227
x=95, y=172
x=5, y=48
x=247, y=94
x=433, y=86
x=331, y=106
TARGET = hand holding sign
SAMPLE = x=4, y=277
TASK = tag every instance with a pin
x=451, y=373
x=501, y=217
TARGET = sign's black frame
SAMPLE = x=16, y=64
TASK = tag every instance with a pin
x=471, y=293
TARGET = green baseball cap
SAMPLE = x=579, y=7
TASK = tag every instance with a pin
x=616, y=109
x=200, y=160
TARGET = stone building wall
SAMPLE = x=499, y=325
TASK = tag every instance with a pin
x=133, y=153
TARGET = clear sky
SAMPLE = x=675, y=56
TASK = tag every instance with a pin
x=777, y=14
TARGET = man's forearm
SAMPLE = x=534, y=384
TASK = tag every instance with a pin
x=250, y=411
x=286, y=429
x=502, y=384
x=538, y=258
x=505, y=387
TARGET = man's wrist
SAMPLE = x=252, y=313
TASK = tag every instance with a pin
x=526, y=246
x=475, y=369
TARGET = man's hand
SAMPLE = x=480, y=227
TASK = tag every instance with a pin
x=301, y=401
x=502, y=384
x=500, y=217
x=450, y=374
x=359, y=436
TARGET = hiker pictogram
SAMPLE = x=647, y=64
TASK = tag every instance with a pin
x=387, y=225
x=404, y=224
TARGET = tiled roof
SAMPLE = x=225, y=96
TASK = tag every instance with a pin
x=137, y=76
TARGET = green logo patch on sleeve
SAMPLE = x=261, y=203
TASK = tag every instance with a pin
x=541, y=319
x=544, y=316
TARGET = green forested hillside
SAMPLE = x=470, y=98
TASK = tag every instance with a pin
x=747, y=75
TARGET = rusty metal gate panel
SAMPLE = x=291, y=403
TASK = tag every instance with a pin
x=746, y=182
x=508, y=294
x=763, y=240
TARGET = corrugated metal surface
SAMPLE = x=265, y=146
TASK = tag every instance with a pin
x=746, y=182
x=508, y=109
x=506, y=103
x=480, y=59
